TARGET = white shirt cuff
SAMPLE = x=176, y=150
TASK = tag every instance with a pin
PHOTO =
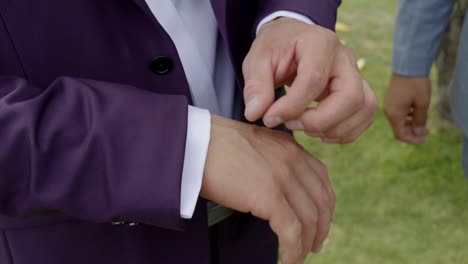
x=196, y=149
x=284, y=13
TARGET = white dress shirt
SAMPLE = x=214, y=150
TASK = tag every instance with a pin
x=193, y=29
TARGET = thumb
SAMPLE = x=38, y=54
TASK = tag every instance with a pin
x=259, y=90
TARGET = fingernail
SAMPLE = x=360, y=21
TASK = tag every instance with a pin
x=420, y=131
x=272, y=121
x=295, y=125
x=252, y=107
x=331, y=140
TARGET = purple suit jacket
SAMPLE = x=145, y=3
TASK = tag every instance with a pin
x=90, y=135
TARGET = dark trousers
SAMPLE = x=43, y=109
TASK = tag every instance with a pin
x=244, y=239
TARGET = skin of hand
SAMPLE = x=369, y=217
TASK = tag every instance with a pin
x=266, y=173
x=317, y=67
x=406, y=106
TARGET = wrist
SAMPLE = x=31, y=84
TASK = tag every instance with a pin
x=223, y=153
x=218, y=128
x=278, y=21
x=409, y=77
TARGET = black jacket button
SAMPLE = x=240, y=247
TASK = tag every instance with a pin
x=161, y=65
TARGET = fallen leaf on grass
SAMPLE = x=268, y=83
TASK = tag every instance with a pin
x=342, y=27
x=361, y=63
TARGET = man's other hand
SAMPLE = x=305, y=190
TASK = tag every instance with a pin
x=266, y=173
x=406, y=106
x=317, y=67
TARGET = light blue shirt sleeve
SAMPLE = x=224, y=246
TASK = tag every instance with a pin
x=419, y=29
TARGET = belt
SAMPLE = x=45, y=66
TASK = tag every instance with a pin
x=217, y=213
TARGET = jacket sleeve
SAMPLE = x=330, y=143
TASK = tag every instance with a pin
x=419, y=29
x=92, y=150
x=322, y=12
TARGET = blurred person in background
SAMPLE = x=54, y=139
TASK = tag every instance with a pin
x=419, y=31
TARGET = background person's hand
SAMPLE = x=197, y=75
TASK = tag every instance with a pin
x=406, y=106
x=317, y=67
x=266, y=173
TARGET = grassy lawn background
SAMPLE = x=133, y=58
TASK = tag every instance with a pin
x=396, y=203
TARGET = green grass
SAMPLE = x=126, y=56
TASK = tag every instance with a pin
x=396, y=203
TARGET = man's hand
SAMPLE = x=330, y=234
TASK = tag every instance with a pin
x=266, y=173
x=317, y=67
x=406, y=105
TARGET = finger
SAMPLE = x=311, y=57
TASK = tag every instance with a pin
x=275, y=208
x=420, y=131
x=324, y=198
x=314, y=64
x=344, y=129
x=321, y=170
x=402, y=128
x=259, y=89
x=405, y=133
x=354, y=134
x=397, y=115
x=306, y=87
x=345, y=99
x=419, y=119
x=410, y=136
x=286, y=225
x=304, y=208
x=352, y=128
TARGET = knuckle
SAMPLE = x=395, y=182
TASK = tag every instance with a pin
x=323, y=201
x=264, y=207
x=292, y=149
x=258, y=210
x=295, y=229
x=290, y=112
x=276, y=197
x=372, y=101
x=311, y=215
x=249, y=88
x=322, y=169
x=351, y=54
x=330, y=36
x=295, y=150
x=285, y=138
x=349, y=139
x=335, y=133
x=317, y=76
x=357, y=99
x=284, y=170
x=257, y=51
x=373, y=104
x=246, y=62
x=313, y=126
